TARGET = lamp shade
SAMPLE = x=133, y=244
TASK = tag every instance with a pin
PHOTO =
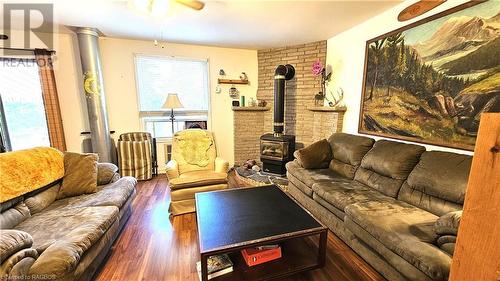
x=172, y=101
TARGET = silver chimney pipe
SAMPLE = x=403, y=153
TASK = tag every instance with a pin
x=88, y=42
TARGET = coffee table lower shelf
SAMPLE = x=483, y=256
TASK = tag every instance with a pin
x=298, y=255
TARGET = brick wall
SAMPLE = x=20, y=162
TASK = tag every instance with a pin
x=248, y=127
x=301, y=119
x=300, y=90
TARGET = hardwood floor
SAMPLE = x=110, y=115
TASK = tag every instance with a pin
x=153, y=247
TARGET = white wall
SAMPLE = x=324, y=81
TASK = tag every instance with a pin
x=120, y=88
x=346, y=55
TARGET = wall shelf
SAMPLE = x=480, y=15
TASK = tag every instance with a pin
x=326, y=108
x=250, y=108
x=233, y=81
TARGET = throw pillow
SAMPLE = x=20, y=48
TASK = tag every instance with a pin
x=80, y=174
x=105, y=172
x=315, y=156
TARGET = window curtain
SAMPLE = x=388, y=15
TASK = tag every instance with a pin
x=50, y=99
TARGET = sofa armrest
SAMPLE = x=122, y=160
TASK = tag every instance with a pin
x=106, y=173
x=172, y=169
x=448, y=223
x=221, y=165
x=13, y=241
x=16, y=254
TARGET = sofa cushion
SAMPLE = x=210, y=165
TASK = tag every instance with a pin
x=113, y=194
x=404, y=229
x=314, y=156
x=64, y=236
x=197, y=178
x=42, y=200
x=310, y=176
x=387, y=165
x=81, y=225
x=348, y=150
x=80, y=174
x=438, y=182
x=14, y=215
x=343, y=192
x=334, y=210
x=292, y=180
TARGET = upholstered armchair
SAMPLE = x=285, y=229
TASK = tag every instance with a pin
x=194, y=167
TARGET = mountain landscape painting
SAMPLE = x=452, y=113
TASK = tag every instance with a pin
x=430, y=81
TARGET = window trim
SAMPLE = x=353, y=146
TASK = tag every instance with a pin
x=166, y=113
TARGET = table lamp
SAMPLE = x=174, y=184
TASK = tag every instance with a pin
x=172, y=102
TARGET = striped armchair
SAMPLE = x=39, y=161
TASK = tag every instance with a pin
x=137, y=155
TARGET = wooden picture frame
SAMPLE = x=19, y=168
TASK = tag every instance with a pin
x=433, y=116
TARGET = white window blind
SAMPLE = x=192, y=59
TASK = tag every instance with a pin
x=158, y=76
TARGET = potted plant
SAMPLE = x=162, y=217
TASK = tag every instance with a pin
x=319, y=70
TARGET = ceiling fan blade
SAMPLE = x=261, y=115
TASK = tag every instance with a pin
x=193, y=4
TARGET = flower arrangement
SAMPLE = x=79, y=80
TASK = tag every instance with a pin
x=319, y=70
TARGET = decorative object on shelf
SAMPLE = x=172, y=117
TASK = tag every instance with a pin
x=430, y=81
x=236, y=103
x=419, y=8
x=233, y=92
x=233, y=81
x=171, y=103
x=336, y=99
x=243, y=76
x=319, y=70
x=262, y=103
x=243, y=101
x=222, y=72
x=252, y=102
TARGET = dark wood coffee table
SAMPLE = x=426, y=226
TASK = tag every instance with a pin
x=235, y=219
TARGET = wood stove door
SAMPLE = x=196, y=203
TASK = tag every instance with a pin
x=273, y=150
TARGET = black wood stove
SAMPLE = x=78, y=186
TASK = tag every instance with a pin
x=276, y=149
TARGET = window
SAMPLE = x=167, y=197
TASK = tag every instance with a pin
x=156, y=77
x=22, y=111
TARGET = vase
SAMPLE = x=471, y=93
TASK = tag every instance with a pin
x=319, y=99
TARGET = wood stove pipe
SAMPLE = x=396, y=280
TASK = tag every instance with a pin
x=281, y=74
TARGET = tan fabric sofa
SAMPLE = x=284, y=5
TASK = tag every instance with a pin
x=67, y=239
x=395, y=204
x=194, y=168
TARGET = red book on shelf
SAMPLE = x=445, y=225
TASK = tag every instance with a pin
x=255, y=256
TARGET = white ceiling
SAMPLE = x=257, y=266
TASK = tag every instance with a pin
x=243, y=24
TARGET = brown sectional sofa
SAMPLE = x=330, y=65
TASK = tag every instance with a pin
x=66, y=239
x=395, y=204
